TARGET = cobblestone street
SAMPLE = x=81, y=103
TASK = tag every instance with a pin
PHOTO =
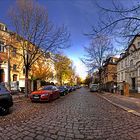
x=78, y=115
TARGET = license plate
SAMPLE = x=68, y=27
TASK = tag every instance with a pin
x=36, y=97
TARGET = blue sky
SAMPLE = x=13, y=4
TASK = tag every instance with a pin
x=77, y=15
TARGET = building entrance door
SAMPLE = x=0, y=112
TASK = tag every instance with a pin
x=2, y=75
x=133, y=83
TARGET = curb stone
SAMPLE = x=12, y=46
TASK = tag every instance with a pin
x=120, y=106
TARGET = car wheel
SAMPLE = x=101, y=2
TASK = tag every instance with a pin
x=58, y=96
x=51, y=98
x=4, y=110
x=32, y=101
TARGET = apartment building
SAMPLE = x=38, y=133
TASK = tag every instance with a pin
x=11, y=60
x=109, y=74
x=128, y=67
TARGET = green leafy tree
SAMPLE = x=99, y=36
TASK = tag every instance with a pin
x=64, y=70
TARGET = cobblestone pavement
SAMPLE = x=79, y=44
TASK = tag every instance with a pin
x=129, y=102
x=80, y=115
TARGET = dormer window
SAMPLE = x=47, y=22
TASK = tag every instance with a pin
x=122, y=55
x=3, y=27
x=132, y=48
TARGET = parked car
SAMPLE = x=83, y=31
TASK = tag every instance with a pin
x=69, y=89
x=75, y=87
x=63, y=90
x=6, y=100
x=46, y=93
x=78, y=86
x=94, y=87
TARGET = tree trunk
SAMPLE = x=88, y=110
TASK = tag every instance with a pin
x=26, y=81
x=100, y=80
x=61, y=82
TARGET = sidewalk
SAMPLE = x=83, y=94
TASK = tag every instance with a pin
x=135, y=95
x=129, y=104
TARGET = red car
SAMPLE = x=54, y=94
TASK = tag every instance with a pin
x=46, y=93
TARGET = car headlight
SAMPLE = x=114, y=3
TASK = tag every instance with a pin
x=43, y=95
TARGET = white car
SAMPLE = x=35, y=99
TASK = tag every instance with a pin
x=94, y=87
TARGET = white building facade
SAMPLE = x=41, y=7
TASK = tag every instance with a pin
x=128, y=67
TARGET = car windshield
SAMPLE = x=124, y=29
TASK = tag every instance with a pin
x=47, y=88
x=61, y=87
x=94, y=85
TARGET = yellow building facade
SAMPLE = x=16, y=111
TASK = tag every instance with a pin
x=11, y=60
x=109, y=74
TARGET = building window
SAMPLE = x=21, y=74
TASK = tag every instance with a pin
x=138, y=71
x=14, y=52
x=121, y=76
x=138, y=44
x=14, y=77
x=126, y=62
x=2, y=75
x=125, y=75
x=1, y=46
x=122, y=64
x=118, y=66
x=131, y=63
x=23, y=70
x=14, y=67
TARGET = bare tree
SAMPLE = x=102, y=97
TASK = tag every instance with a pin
x=97, y=52
x=36, y=34
x=118, y=20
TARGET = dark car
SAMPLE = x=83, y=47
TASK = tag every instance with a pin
x=6, y=100
x=74, y=87
x=46, y=93
x=63, y=90
x=70, y=89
